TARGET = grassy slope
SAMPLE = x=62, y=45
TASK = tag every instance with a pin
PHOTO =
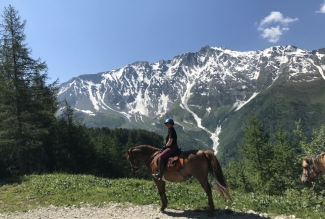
x=30, y=192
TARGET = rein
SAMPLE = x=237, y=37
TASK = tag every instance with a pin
x=153, y=156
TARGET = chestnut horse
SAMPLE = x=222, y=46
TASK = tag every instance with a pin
x=197, y=163
x=312, y=166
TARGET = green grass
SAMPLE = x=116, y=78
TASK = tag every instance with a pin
x=34, y=191
x=30, y=192
x=302, y=204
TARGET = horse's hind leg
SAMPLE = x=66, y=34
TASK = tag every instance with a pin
x=207, y=188
x=162, y=192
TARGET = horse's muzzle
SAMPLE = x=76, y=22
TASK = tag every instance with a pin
x=304, y=178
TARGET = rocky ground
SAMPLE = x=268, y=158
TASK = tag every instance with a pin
x=129, y=211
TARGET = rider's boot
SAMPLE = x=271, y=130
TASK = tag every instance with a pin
x=159, y=174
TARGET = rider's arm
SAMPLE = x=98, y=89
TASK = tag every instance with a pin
x=170, y=141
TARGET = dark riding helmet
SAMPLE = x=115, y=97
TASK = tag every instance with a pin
x=169, y=120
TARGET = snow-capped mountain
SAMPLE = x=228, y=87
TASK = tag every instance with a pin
x=195, y=88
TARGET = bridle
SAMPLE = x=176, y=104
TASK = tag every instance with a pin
x=310, y=171
x=131, y=158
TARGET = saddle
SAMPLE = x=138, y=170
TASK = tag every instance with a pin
x=174, y=162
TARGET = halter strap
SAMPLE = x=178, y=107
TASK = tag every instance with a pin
x=313, y=168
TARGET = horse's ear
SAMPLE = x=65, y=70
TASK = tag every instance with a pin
x=304, y=158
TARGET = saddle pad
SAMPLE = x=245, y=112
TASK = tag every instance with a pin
x=179, y=164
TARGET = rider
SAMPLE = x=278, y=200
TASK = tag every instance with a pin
x=170, y=147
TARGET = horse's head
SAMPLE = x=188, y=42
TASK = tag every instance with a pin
x=308, y=170
x=133, y=160
x=143, y=153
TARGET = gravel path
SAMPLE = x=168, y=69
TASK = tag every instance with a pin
x=128, y=211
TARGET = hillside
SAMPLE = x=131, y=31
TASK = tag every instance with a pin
x=209, y=94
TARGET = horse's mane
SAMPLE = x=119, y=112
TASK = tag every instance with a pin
x=147, y=149
x=316, y=158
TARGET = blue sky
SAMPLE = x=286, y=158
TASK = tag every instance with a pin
x=78, y=37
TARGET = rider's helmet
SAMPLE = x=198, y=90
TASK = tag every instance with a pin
x=169, y=120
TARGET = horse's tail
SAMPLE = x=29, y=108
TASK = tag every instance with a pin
x=216, y=171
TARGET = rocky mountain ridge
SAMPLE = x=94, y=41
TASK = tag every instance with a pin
x=200, y=90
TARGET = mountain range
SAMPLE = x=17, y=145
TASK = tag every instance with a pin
x=208, y=93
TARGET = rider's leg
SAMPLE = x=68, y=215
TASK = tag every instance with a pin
x=159, y=174
x=160, y=161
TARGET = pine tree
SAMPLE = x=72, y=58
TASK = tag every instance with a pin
x=28, y=104
x=257, y=153
x=238, y=175
x=73, y=150
x=286, y=162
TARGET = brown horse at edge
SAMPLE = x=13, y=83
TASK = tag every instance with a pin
x=197, y=163
x=312, y=166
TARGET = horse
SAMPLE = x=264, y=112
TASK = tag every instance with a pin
x=312, y=167
x=196, y=163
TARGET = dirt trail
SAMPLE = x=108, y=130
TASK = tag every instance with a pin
x=128, y=211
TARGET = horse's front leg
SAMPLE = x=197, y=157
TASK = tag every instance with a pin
x=162, y=192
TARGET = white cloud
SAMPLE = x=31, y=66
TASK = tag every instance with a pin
x=322, y=8
x=276, y=17
x=271, y=32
